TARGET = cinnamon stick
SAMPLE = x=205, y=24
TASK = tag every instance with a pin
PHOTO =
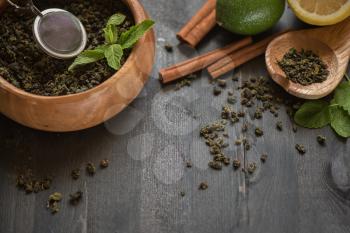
x=190, y=66
x=235, y=59
x=200, y=24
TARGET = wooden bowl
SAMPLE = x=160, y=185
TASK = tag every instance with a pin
x=90, y=108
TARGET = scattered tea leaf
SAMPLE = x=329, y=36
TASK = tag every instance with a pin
x=203, y=186
x=91, y=169
x=235, y=78
x=216, y=91
x=75, y=173
x=222, y=83
x=75, y=198
x=55, y=196
x=321, y=139
x=251, y=167
x=246, y=144
x=300, y=148
x=236, y=164
x=263, y=158
x=259, y=132
x=231, y=100
x=169, y=48
x=104, y=163
x=215, y=165
x=52, y=203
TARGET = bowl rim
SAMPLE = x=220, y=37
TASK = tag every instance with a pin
x=133, y=5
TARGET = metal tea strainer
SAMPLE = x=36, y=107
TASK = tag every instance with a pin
x=58, y=32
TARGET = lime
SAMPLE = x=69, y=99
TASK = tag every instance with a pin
x=248, y=17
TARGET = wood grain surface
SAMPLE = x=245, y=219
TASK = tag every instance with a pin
x=148, y=145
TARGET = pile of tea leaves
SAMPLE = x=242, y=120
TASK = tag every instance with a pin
x=31, y=183
x=25, y=66
x=262, y=96
x=304, y=67
x=27, y=181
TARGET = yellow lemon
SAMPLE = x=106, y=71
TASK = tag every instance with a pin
x=321, y=12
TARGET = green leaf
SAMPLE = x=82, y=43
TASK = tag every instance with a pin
x=313, y=114
x=88, y=56
x=111, y=34
x=116, y=19
x=342, y=96
x=101, y=48
x=114, y=54
x=340, y=121
x=130, y=37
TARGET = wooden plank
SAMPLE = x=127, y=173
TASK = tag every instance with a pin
x=148, y=146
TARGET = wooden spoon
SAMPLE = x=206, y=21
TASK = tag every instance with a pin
x=331, y=43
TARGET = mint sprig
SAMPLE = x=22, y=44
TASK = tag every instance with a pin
x=320, y=113
x=115, y=43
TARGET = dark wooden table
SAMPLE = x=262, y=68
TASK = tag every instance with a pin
x=148, y=145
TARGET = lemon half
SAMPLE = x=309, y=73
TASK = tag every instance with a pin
x=321, y=12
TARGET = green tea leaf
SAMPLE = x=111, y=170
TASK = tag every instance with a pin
x=116, y=19
x=88, y=56
x=313, y=114
x=342, y=96
x=340, y=121
x=130, y=37
x=114, y=55
x=111, y=34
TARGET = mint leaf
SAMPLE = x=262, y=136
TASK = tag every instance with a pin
x=101, y=48
x=340, y=121
x=88, y=56
x=130, y=37
x=116, y=19
x=313, y=114
x=342, y=96
x=111, y=34
x=114, y=54
x=112, y=50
